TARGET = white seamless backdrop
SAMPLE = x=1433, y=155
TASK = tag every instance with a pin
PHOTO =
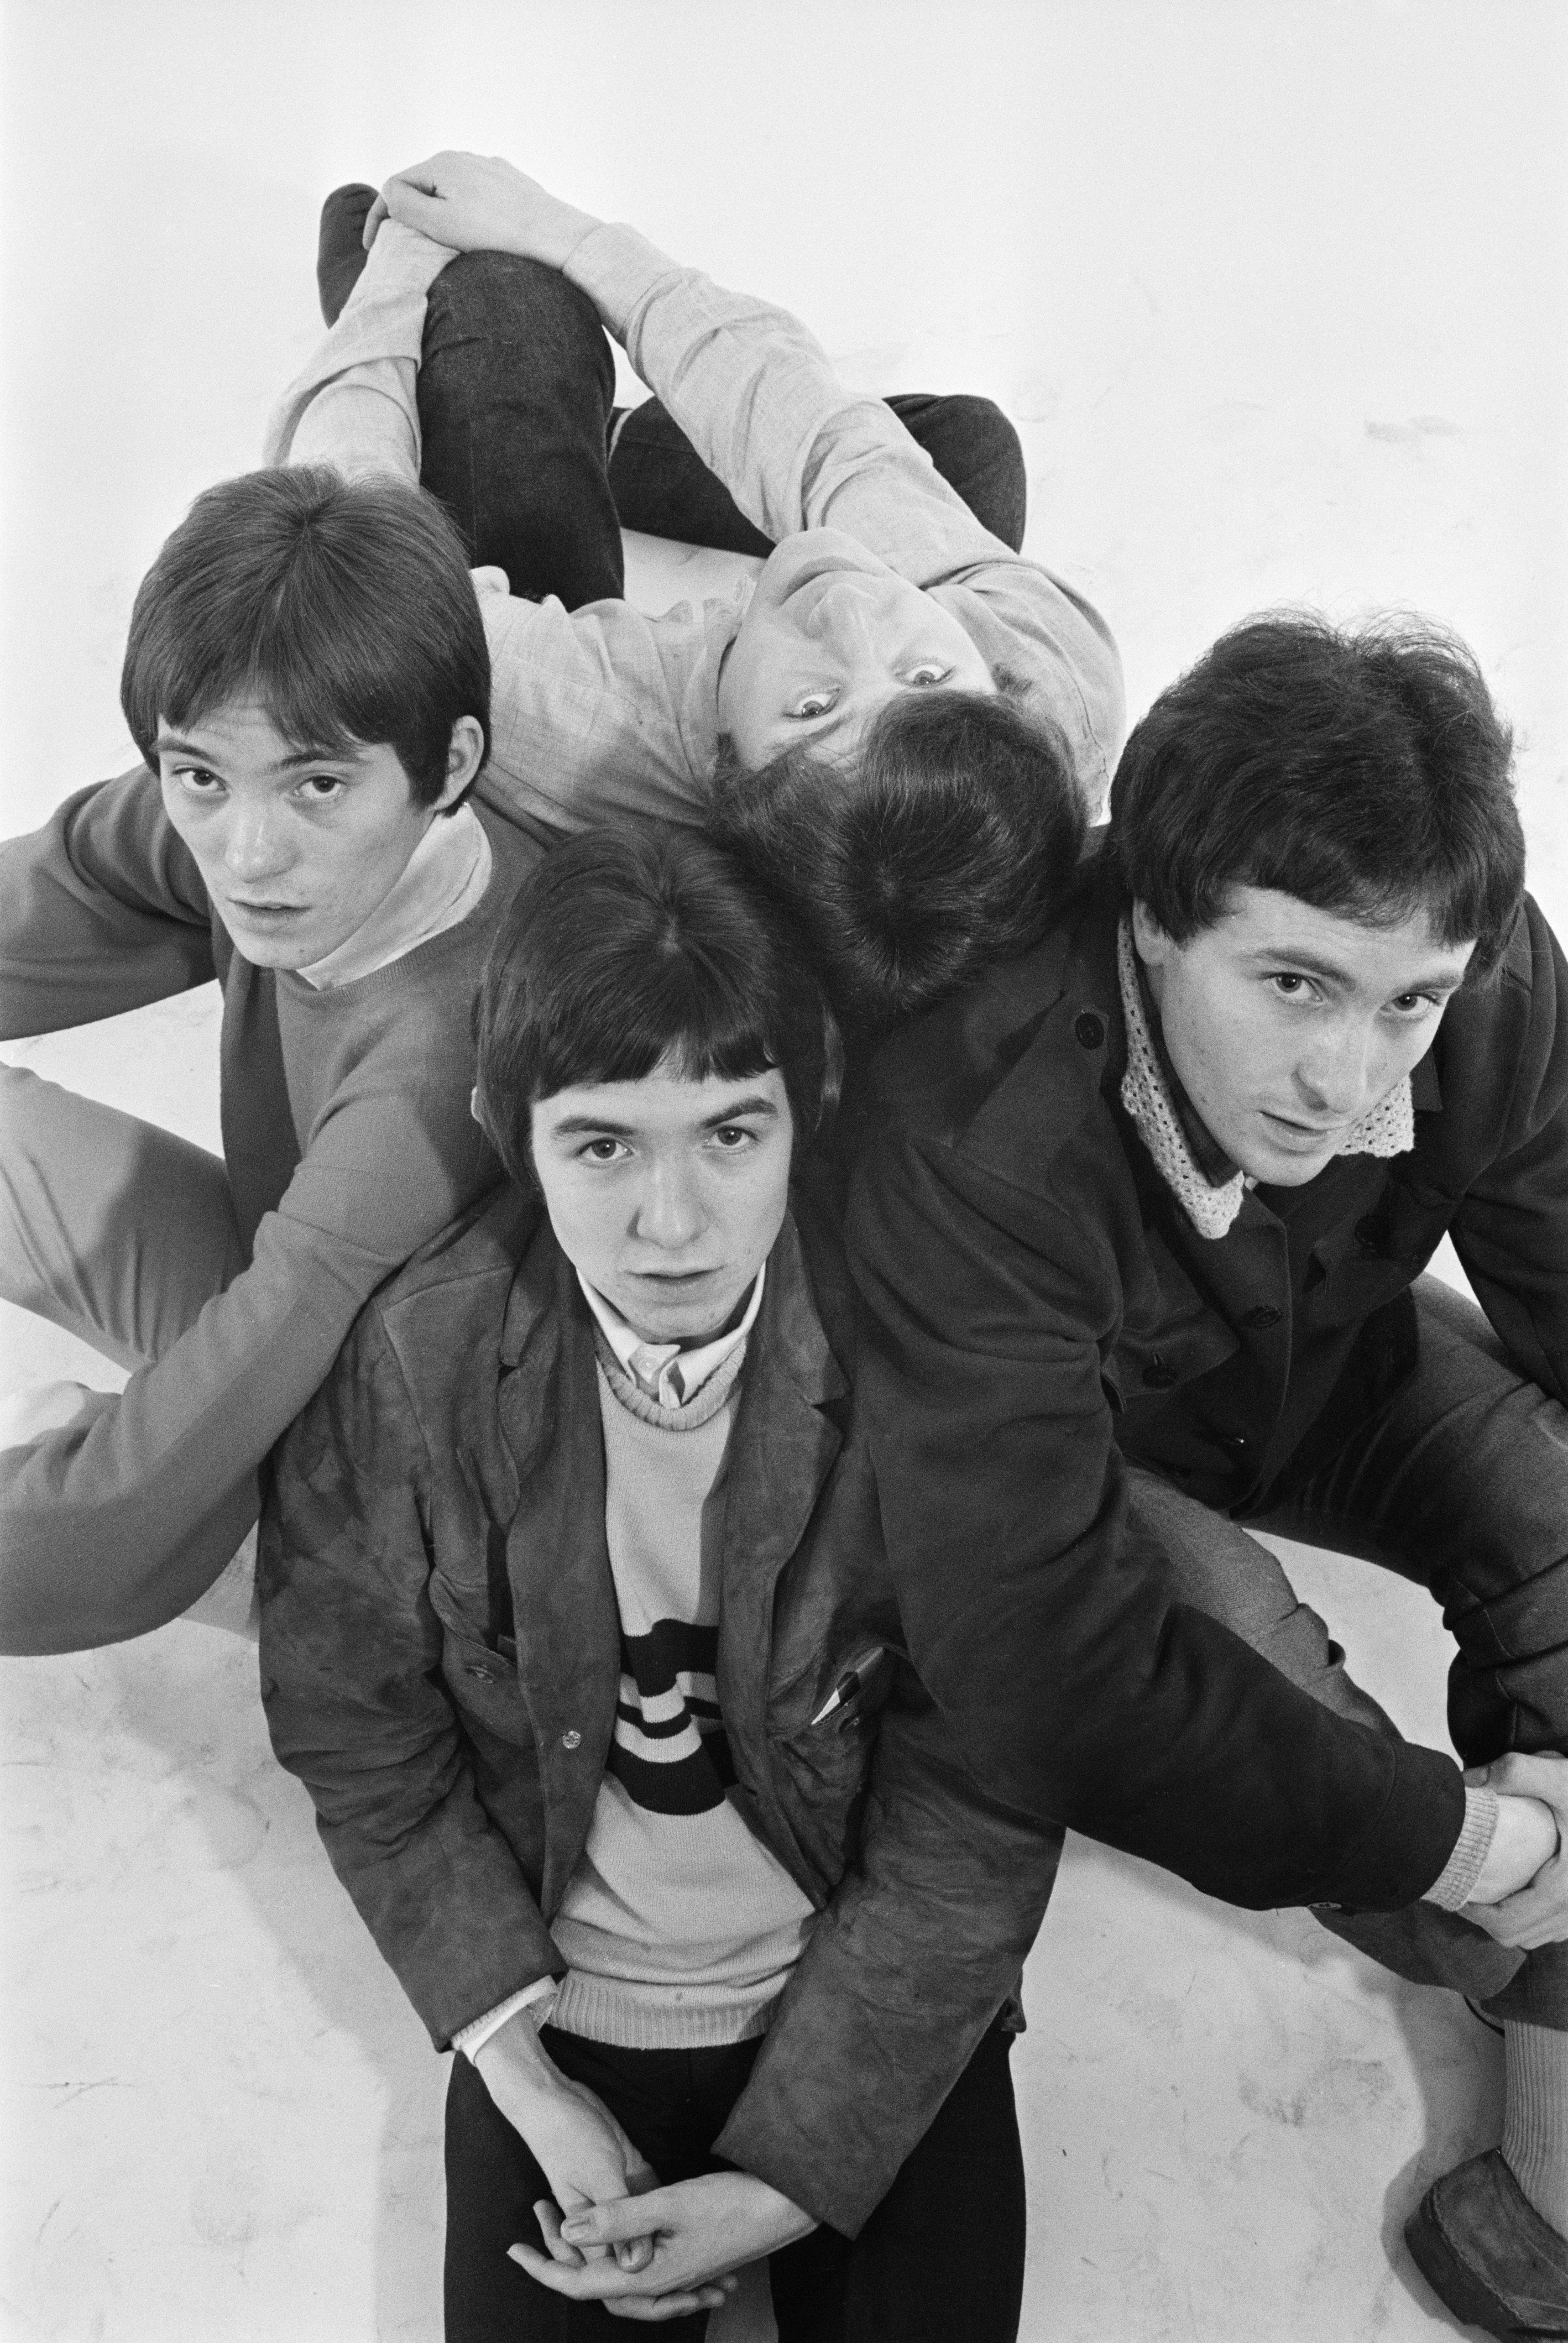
x=1278, y=297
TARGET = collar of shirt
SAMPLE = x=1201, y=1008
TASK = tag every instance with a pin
x=1151, y=1101
x=442, y=881
x=663, y=1370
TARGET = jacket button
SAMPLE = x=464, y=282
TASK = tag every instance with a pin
x=1236, y=1440
x=572, y=1740
x=1159, y=1376
x=1265, y=1315
x=1089, y=1032
x=478, y=1669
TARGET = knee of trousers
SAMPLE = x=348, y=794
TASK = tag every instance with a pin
x=989, y=435
x=502, y=295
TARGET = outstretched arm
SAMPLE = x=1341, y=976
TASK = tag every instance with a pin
x=796, y=448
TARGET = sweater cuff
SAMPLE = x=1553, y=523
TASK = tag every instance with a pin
x=1456, y=1884
x=615, y=268
x=539, y=1998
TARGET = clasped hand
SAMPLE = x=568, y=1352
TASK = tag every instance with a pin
x=612, y=2234
x=479, y=203
x=698, y=2233
x=1527, y=1904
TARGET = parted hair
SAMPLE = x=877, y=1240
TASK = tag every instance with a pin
x=343, y=608
x=947, y=843
x=1364, y=770
x=628, y=948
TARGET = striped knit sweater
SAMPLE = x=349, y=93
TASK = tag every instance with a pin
x=679, y=1925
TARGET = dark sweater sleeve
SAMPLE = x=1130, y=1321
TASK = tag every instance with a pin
x=921, y=1946
x=115, y=1524
x=102, y=909
x=351, y=1657
x=1510, y=1230
x=1080, y=1689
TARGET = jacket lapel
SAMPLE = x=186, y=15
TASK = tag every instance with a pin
x=783, y=1450
x=563, y=1596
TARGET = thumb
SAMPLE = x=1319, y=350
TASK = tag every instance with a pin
x=619, y=2218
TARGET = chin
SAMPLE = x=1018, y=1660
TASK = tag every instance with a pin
x=1280, y=1170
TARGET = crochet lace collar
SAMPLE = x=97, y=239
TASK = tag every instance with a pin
x=1388, y=1130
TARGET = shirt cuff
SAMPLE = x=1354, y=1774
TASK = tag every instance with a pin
x=1456, y=1884
x=538, y=1999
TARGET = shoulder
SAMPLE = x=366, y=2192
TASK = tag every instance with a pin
x=1010, y=1071
x=475, y=1256
x=1502, y=1051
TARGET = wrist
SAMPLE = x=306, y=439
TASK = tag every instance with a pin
x=553, y=238
x=515, y=2054
x=1525, y=1838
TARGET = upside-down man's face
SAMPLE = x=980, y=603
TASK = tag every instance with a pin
x=829, y=635
x=1286, y=1024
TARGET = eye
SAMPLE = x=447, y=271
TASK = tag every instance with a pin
x=732, y=1137
x=1291, y=986
x=929, y=672
x=321, y=789
x=602, y=1151
x=1416, y=1004
x=815, y=703
x=198, y=781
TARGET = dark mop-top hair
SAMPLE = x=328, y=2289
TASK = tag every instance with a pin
x=946, y=844
x=343, y=608
x=628, y=948
x=1365, y=771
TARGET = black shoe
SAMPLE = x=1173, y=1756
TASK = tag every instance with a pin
x=339, y=251
x=1487, y=2254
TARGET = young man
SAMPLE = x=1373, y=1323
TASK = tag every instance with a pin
x=308, y=680
x=797, y=710
x=575, y=1624
x=1137, y=1230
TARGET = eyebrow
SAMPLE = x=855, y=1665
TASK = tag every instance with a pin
x=175, y=747
x=574, y=1124
x=1312, y=963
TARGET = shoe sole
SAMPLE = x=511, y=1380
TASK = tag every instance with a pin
x=1459, y=2289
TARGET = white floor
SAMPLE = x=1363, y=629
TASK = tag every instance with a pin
x=1278, y=299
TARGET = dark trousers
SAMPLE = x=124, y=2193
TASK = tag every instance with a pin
x=1460, y=1483
x=515, y=391
x=940, y=2260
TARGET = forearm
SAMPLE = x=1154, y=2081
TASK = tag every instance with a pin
x=355, y=404
x=100, y=910
x=922, y=1944
x=755, y=393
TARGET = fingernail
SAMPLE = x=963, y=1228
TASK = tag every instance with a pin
x=574, y=2232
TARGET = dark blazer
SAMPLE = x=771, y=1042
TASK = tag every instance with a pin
x=439, y=1508
x=1037, y=1308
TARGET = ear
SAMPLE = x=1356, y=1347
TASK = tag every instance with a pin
x=465, y=755
x=1153, y=945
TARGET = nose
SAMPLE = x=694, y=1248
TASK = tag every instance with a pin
x=255, y=845
x=669, y=1209
x=844, y=619
x=1338, y=1074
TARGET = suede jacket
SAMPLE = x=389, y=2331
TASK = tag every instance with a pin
x=440, y=1659
x=1037, y=1308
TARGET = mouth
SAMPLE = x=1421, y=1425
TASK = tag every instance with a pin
x=674, y=1280
x=1305, y=1135
x=264, y=910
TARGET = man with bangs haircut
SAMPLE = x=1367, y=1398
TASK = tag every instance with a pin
x=308, y=680
x=1139, y=1228
x=893, y=575
x=576, y=1624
